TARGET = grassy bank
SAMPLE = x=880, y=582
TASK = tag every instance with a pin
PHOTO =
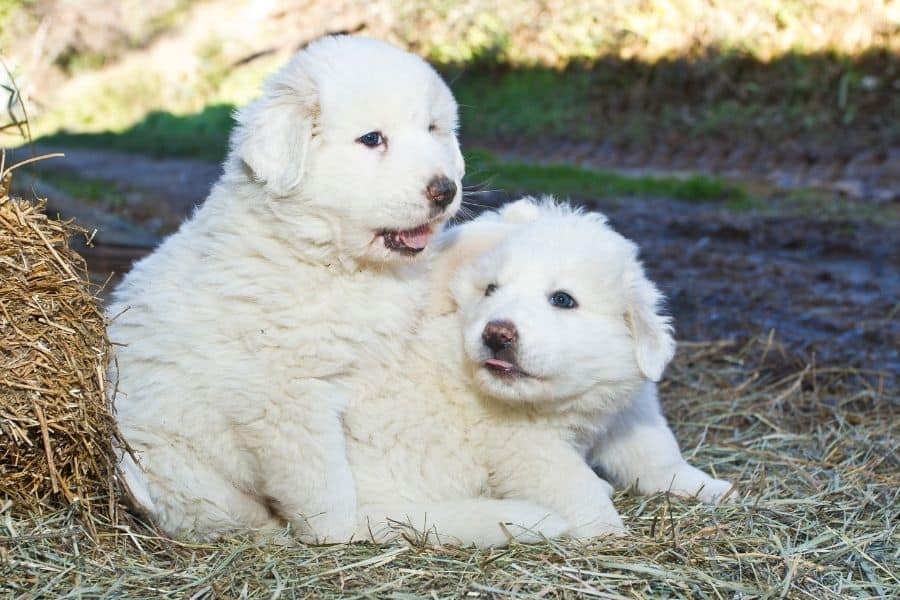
x=798, y=100
x=681, y=85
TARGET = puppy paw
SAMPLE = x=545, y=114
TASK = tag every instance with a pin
x=692, y=482
x=609, y=523
x=716, y=491
x=332, y=528
x=607, y=488
x=535, y=527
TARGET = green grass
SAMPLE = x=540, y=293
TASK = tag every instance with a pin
x=786, y=77
x=568, y=181
x=205, y=135
x=720, y=101
x=530, y=103
x=162, y=134
x=82, y=188
x=810, y=100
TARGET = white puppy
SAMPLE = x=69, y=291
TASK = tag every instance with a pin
x=296, y=285
x=545, y=369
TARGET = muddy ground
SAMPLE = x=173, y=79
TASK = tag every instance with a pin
x=827, y=290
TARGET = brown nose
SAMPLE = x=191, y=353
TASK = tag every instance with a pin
x=499, y=335
x=441, y=191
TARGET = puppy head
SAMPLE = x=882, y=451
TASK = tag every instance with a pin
x=360, y=138
x=561, y=309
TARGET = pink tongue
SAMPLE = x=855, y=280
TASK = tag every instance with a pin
x=498, y=365
x=415, y=238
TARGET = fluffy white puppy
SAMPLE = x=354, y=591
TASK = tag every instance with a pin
x=545, y=369
x=296, y=285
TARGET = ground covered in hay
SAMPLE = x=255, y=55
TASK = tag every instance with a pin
x=813, y=451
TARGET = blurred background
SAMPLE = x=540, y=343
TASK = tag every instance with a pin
x=752, y=147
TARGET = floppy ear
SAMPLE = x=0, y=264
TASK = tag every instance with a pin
x=522, y=211
x=652, y=332
x=274, y=133
x=459, y=247
x=465, y=285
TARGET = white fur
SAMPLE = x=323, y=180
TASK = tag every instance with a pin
x=456, y=450
x=245, y=334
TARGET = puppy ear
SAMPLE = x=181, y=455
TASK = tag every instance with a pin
x=522, y=211
x=274, y=132
x=652, y=332
x=459, y=247
x=465, y=286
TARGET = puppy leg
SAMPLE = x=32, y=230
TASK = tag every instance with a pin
x=188, y=496
x=554, y=474
x=482, y=522
x=307, y=478
x=640, y=448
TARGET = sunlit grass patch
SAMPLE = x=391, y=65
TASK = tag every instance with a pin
x=569, y=181
x=199, y=135
x=80, y=187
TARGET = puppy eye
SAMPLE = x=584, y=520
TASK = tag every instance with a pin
x=490, y=289
x=432, y=128
x=561, y=299
x=371, y=139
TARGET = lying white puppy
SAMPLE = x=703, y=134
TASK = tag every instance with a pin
x=545, y=369
x=295, y=286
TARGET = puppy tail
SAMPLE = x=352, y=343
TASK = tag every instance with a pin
x=480, y=522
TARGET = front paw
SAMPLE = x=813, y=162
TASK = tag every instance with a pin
x=528, y=527
x=693, y=482
x=716, y=491
x=608, y=489
x=609, y=523
x=328, y=528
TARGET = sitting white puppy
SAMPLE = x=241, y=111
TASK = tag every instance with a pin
x=296, y=285
x=545, y=369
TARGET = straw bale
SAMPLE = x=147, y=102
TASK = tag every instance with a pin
x=56, y=425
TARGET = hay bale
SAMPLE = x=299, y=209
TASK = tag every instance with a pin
x=56, y=424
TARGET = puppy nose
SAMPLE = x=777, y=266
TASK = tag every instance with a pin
x=441, y=191
x=498, y=335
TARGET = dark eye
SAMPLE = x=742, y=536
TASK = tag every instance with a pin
x=371, y=139
x=432, y=128
x=490, y=289
x=561, y=299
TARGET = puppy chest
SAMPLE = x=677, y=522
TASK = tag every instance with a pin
x=421, y=462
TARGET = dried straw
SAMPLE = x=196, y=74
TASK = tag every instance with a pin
x=56, y=426
x=814, y=452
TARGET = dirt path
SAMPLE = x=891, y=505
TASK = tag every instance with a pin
x=828, y=289
x=155, y=194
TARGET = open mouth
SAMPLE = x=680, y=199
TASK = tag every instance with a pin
x=409, y=241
